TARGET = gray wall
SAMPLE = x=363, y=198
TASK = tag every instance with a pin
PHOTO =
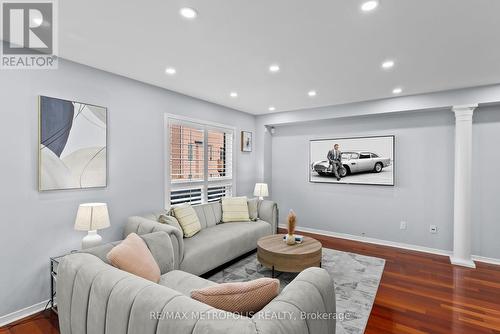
x=423, y=194
x=486, y=183
x=38, y=225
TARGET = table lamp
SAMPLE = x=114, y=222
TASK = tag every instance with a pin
x=92, y=217
x=261, y=190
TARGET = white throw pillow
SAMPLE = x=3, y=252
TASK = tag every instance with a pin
x=234, y=209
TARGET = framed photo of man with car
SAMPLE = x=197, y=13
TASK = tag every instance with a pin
x=356, y=160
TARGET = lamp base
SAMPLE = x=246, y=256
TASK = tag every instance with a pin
x=91, y=240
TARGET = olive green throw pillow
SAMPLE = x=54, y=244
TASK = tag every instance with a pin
x=234, y=209
x=170, y=220
x=188, y=219
x=253, y=208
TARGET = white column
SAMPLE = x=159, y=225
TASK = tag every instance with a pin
x=462, y=221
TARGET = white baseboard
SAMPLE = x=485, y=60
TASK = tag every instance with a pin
x=462, y=262
x=20, y=314
x=489, y=260
x=393, y=244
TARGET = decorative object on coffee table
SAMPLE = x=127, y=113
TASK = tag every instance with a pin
x=273, y=253
x=261, y=190
x=292, y=222
x=92, y=217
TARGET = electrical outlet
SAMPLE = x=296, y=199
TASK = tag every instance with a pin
x=402, y=225
x=433, y=229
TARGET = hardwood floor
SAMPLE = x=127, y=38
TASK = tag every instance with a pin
x=424, y=293
x=419, y=293
x=41, y=323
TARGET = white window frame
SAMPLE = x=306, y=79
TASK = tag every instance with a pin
x=205, y=183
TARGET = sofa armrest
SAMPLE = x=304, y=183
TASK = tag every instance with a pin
x=141, y=225
x=159, y=244
x=268, y=211
x=311, y=293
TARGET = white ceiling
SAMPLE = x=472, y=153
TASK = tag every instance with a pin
x=327, y=45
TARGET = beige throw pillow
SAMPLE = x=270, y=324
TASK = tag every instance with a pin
x=188, y=219
x=239, y=297
x=132, y=255
x=234, y=209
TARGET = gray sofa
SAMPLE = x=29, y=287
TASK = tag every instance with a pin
x=217, y=243
x=95, y=297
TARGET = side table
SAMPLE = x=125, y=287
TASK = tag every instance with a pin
x=54, y=263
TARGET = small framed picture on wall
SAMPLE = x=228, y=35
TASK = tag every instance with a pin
x=246, y=141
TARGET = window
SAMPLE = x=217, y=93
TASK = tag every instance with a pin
x=217, y=192
x=374, y=155
x=186, y=157
x=364, y=156
x=221, y=143
x=200, y=162
x=193, y=196
x=210, y=152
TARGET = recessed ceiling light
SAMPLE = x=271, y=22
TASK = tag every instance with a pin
x=188, y=13
x=388, y=64
x=397, y=90
x=271, y=108
x=368, y=6
x=274, y=68
x=170, y=70
x=312, y=93
x=233, y=94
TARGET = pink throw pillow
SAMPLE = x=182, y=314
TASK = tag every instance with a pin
x=132, y=255
x=239, y=297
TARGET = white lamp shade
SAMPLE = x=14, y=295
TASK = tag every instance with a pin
x=92, y=216
x=261, y=190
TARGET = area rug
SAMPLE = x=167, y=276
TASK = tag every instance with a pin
x=356, y=278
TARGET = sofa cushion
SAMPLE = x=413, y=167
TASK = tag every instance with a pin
x=216, y=245
x=132, y=255
x=169, y=220
x=209, y=214
x=161, y=247
x=253, y=208
x=184, y=282
x=188, y=219
x=234, y=209
x=156, y=215
x=239, y=297
x=201, y=216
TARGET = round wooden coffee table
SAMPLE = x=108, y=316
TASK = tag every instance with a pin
x=275, y=254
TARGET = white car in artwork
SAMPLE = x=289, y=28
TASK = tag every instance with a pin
x=352, y=163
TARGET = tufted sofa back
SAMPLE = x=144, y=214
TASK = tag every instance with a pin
x=94, y=297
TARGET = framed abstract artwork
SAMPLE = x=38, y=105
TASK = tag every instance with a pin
x=359, y=160
x=246, y=141
x=72, y=145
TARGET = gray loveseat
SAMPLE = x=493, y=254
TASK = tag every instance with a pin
x=217, y=243
x=95, y=297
